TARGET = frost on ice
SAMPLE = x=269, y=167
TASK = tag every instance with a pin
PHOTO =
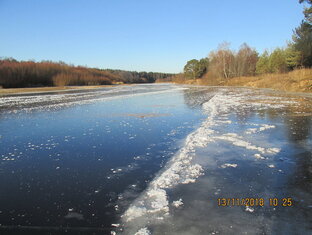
x=153, y=204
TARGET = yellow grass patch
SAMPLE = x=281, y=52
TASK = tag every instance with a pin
x=299, y=80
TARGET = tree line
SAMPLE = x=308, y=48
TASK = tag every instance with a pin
x=139, y=77
x=226, y=63
x=17, y=74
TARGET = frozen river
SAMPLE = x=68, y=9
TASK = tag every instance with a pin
x=156, y=159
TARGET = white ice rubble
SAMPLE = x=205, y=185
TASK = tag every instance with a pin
x=143, y=231
x=249, y=209
x=262, y=127
x=177, y=203
x=226, y=165
x=55, y=101
x=181, y=169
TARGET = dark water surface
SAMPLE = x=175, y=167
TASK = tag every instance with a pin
x=65, y=164
x=155, y=159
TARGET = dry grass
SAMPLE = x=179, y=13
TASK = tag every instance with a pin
x=299, y=80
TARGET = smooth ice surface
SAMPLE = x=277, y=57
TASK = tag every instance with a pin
x=78, y=159
x=155, y=159
x=228, y=143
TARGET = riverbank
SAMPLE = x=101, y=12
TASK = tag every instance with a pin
x=295, y=81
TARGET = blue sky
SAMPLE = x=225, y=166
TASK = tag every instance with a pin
x=142, y=35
